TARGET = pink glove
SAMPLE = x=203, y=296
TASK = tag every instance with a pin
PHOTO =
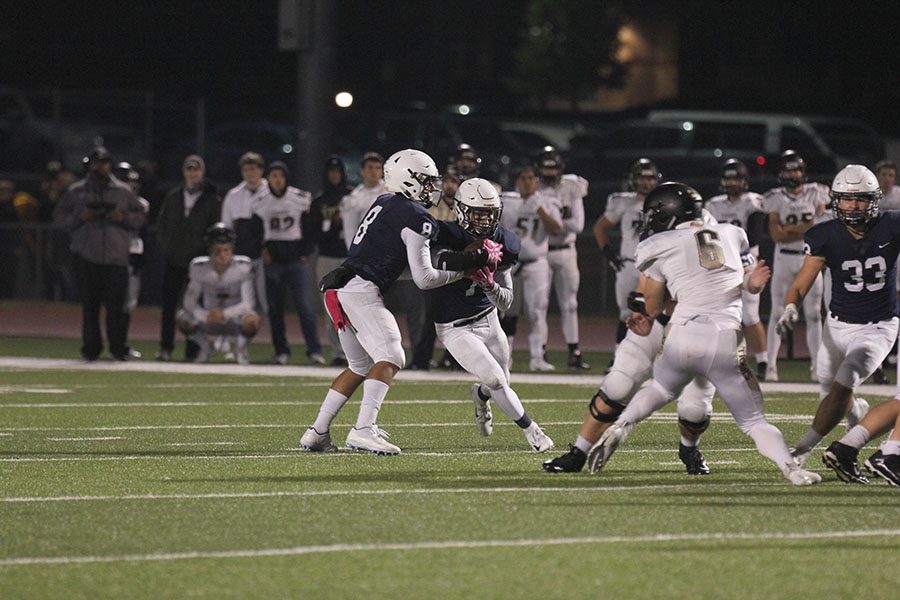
x=484, y=277
x=495, y=253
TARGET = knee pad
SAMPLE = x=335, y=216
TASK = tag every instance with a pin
x=570, y=305
x=694, y=427
x=618, y=387
x=393, y=354
x=602, y=417
x=360, y=366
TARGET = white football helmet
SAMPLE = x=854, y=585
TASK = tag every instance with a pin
x=478, y=207
x=413, y=174
x=855, y=181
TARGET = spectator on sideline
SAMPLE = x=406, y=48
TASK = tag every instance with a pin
x=102, y=215
x=324, y=230
x=187, y=212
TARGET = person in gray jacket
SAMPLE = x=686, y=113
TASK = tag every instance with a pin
x=101, y=214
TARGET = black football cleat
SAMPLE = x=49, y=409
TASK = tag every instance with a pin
x=570, y=462
x=886, y=466
x=693, y=460
x=576, y=362
x=841, y=459
x=761, y=370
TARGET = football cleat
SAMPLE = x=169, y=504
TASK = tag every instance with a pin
x=570, y=462
x=371, y=439
x=799, y=476
x=879, y=377
x=164, y=355
x=771, y=373
x=313, y=441
x=886, y=466
x=539, y=364
x=693, y=460
x=858, y=410
x=484, y=420
x=242, y=356
x=537, y=439
x=761, y=370
x=609, y=442
x=576, y=362
x=316, y=358
x=841, y=459
x=281, y=359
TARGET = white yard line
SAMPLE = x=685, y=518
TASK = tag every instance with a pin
x=376, y=492
x=454, y=545
x=21, y=389
x=203, y=444
x=590, y=380
x=294, y=452
x=84, y=439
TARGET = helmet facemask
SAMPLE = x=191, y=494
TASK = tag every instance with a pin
x=480, y=222
x=855, y=218
x=429, y=189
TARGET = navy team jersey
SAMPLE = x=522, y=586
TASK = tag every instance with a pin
x=863, y=271
x=377, y=252
x=464, y=298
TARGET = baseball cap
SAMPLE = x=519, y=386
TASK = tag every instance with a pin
x=252, y=158
x=99, y=153
x=193, y=161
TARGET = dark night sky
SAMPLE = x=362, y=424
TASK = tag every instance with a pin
x=805, y=57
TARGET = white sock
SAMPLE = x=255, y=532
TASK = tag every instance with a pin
x=333, y=402
x=374, y=392
x=582, y=444
x=809, y=441
x=770, y=443
x=891, y=447
x=857, y=437
x=760, y=357
x=241, y=342
x=507, y=399
x=686, y=442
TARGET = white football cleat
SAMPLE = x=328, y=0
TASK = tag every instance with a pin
x=771, y=374
x=537, y=439
x=609, y=442
x=313, y=441
x=371, y=439
x=484, y=419
x=243, y=356
x=859, y=410
x=799, y=476
x=539, y=364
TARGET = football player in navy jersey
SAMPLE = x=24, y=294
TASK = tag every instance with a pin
x=860, y=249
x=395, y=233
x=466, y=310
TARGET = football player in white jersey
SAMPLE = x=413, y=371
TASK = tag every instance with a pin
x=285, y=262
x=624, y=209
x=792, y=210
x=737, y=205
x=219, y=299
x=533, y=216
x=886, y=172
x=355, y=204
x=569, y=190
x=703, y=268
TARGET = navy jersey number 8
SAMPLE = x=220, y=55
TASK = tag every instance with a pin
x=364, y=225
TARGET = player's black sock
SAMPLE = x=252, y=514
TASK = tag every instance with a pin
x=524, y=421
x=573, y=349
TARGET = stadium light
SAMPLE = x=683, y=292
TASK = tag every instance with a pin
x=343, y=99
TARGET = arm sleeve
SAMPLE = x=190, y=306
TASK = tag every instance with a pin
x=418, y=254
x=246, y=303
x=192, y=301
x=502, y=294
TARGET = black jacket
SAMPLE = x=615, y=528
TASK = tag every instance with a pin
x=322, y=226
x=181, y=237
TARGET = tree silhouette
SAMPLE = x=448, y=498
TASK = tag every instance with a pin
x=567, y=50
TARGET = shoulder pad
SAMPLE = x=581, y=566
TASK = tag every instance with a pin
x=619, y=196
x=718, y=198
x=241, y=259
x=200, y=260
x=510, y=196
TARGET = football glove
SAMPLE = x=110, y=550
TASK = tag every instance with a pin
x=495, y=253
x=616, y=262
x=484, y=277
x=787, y=320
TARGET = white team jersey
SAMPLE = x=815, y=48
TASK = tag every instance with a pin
x=232, y=291
x=891, y=200
x=791, y=209
x=520, y=215
x=354, y=207
x=238, y=202
x=281, y=216
x=625, y=208
x=737, y=212
x=702, y=269
x=569, y=195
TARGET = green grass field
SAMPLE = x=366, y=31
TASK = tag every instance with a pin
x=158, y=485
